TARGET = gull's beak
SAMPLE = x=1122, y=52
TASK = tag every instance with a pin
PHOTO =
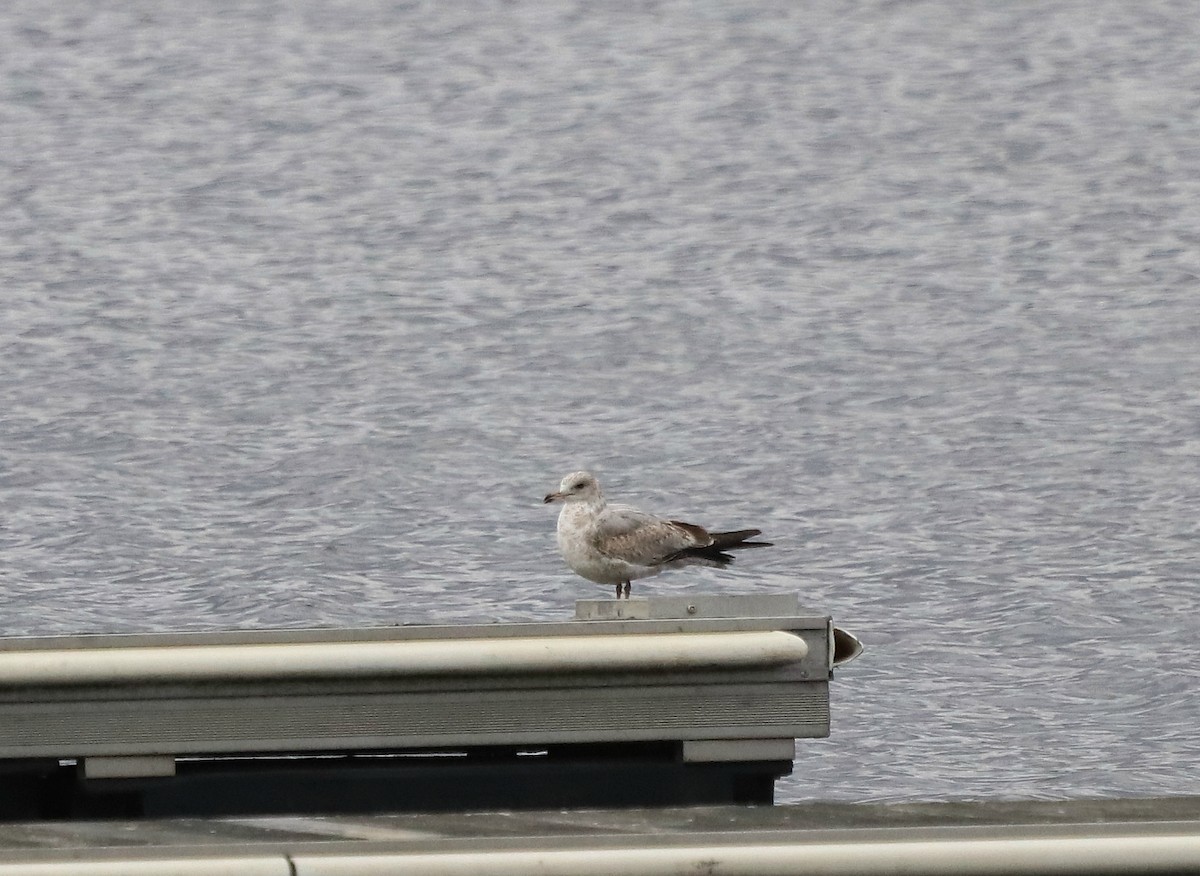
x=553, y=497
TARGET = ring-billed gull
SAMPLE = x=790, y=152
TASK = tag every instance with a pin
x=615, y=544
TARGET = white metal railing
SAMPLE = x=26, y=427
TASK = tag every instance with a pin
x=495, y=656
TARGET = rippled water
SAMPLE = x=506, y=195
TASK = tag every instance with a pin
x=307, y=304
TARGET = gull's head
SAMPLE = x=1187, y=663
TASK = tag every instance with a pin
x=578, y=486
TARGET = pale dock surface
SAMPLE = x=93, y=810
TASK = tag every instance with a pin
x=1162, y=832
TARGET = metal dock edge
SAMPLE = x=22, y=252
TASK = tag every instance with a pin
x=646, y=702
x=1161, y=836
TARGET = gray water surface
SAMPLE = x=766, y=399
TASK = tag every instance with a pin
x=305, y=306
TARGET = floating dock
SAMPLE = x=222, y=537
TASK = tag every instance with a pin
x=1083, y=837
x=666, y=701
x=628, y=740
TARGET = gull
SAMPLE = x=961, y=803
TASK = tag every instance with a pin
x=615, y=544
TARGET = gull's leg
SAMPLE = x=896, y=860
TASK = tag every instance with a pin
x=618, y=591
x=628, y=587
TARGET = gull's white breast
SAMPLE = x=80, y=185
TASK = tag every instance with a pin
x=577, y=539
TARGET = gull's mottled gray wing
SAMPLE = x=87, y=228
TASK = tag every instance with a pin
x=636, y=537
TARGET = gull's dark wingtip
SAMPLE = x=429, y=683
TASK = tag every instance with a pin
x=722, y=542
x=738, y=539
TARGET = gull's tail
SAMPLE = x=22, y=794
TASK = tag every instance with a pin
x=728, y=540
x=716, y=554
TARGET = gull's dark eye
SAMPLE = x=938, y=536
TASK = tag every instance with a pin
x=578, y=485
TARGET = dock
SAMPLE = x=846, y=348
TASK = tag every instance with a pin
x=642, y=736
x=1155, y=836
x=641, y=702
